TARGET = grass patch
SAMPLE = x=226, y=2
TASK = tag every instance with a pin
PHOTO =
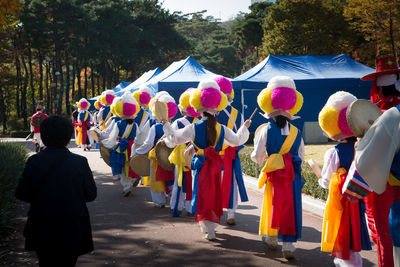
x=311, y=187
x=13, y=157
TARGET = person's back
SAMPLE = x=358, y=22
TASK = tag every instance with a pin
x=57, y=184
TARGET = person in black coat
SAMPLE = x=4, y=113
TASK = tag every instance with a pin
x=57, y=184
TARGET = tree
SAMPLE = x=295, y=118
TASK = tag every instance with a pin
x=301, y=27
x=378, y=22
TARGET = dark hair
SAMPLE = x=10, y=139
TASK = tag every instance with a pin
x=281, y=121
x=351, y=139
x=389, y=90
x=211, y=134
x=56, y=131
x=130, y=121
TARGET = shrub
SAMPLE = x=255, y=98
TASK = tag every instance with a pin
x=15, y=124
x=13, y=157
x=311, y=187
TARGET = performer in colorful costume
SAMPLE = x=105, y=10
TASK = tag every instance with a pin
x=161, y=180
x=109, y=125
x=143, y=97
x=97, y=105
x=123, y=135
x=104, y=114
x=232, y=178
x=207, y=137
x=281, y=175
x=181, y=196
x=83, y=124
x=344, y=231
x=385, y=93
x=36, y=119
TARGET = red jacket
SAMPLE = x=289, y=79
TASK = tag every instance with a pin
x=36, y=119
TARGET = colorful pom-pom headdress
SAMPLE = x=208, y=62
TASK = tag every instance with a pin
x=225, y=86
x=113, y=105
x=332, y=118
x=126, y=107
x=164, y=97
x=83, y=104
x=280, y=98
x=98, y=104
x=107, y=97
x=208, y=97
x=143, y=96
x=184, y=104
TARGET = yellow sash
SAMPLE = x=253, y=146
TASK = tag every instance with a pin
x=333, y=213
x=273, y=163
x=78, y=140
x=177, y=157
x=103, y=125
x=393, y=181
x=155, y=186
x=126, y=153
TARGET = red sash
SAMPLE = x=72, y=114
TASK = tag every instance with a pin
x=84, y=125
x=209, y=203
x=283, y=216
x=349, y=230
x=230, y=154
x=188, y=181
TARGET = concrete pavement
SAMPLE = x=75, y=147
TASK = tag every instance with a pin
x=130, y=231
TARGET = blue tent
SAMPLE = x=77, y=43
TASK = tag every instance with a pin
x=141, y=80
x=316, y=77
x=120, y=87
x=179, y=76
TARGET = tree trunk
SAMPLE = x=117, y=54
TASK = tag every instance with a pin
x=18, y=89
x=23, y=94
x=47, y=86
x=60, y=98
x=33, y=101
x=392, y=41
x=98, y=85
x=104, y=82
x=3, y=114
x=78, y=75
x=92, y=81
x=40, y=76
x=73, y=81
x=67, y=103
x=85, y=84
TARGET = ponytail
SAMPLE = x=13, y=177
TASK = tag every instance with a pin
x=211, y=134
x=281, y=121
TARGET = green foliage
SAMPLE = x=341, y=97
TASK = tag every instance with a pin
x=13, y=157
x=311, y=187
x=15, y=125
x=307, y=27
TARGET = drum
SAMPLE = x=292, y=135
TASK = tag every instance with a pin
x=105, y=154
x=140, y=164
x=94, y=134
x=162, y=154
x=360, y=115
x=161, y=110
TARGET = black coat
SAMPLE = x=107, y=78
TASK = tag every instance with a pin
x=58, y=218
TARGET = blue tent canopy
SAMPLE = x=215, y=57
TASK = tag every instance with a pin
x=141, y=80
x=179, y=76
x=316, y=77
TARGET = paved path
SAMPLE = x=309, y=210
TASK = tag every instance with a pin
x=132, y=232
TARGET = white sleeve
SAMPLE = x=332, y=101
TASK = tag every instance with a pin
x=111, y=141
x=331, y=165
x=148, y=143
x=241, y=120
x=180, y=136
x=301, y=151
x=236, y=139
x=107, y=131
x=99, y=115
x=260, y=146
x=142, y=134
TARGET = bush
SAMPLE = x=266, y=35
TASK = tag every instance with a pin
x=13, y=157
x=19, y=134
x=15, y=124
x=311, y=187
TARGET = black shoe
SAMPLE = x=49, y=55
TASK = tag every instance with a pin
x=37, y=148
x=136, y=182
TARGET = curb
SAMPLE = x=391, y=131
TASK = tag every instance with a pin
x=310, y=204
